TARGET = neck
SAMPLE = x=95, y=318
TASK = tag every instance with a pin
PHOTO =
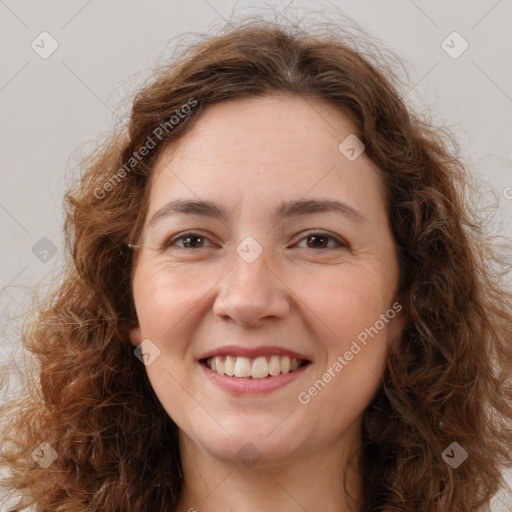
x=311, y=481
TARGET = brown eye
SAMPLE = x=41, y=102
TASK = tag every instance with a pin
x=315, y=240
x=321, y=240
x=191, y=240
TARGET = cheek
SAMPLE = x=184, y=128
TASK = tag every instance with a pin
x=164, y=300
x=350, y=307
x=346, y=302
x=164, y=297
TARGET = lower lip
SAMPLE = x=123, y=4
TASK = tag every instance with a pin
x=246, y=386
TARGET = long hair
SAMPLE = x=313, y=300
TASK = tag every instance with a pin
x=89, y=397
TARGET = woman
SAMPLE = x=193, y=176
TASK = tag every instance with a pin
x=276, y=299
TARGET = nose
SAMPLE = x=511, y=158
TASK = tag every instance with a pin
x=251, y=292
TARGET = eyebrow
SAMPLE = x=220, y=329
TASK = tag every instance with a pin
x=286, y=209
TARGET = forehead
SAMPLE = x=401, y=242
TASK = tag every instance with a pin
x=268, y=130
x=280, y=147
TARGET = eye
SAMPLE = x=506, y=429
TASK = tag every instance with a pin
x=318, y=238
x=196, y=240
x=190, y=239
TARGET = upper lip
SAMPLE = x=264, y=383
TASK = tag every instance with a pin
x=252, y=352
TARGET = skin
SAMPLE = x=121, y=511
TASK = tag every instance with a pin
x=248, y=155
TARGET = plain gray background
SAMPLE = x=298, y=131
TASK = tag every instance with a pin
x=51, y=107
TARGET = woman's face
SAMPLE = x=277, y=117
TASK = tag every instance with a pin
x=279, y=277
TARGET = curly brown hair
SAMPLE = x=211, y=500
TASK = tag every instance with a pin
x=90, y=398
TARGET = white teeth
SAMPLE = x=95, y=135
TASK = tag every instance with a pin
x=258, y=368
x=219, y=364
x=229, y=366
x=274, y=368
x=243, y=367
x=285, y=364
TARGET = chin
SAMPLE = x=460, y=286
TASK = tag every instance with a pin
x=249, y=442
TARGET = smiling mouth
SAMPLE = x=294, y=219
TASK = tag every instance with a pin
x=253, y=368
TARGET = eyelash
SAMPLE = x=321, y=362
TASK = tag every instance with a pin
x=339, y=241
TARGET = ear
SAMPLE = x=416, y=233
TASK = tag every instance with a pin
x=135, y=336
